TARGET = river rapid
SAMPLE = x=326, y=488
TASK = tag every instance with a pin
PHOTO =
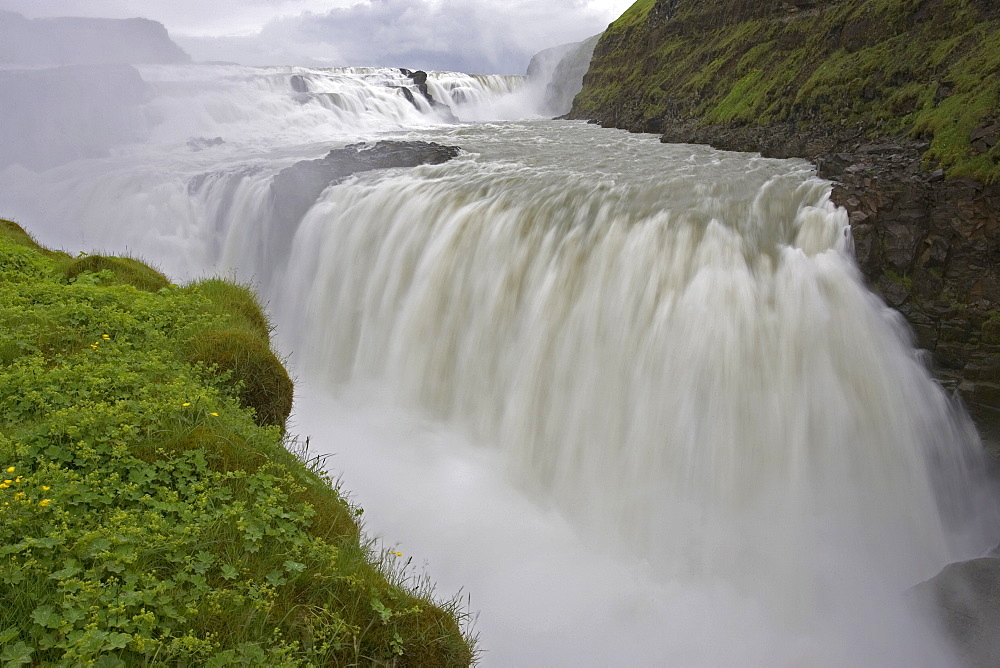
x=631, y=401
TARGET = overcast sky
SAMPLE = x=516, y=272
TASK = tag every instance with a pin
x=480, y=36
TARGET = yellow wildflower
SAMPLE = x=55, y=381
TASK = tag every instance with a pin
x=215, y=415
x=19, y=496
x=45, y=488
x=17, y=479
x=105, y=337
x=186, y=404
x=44, y=502
x=10, y=469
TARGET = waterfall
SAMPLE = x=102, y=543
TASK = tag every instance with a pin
x=656, y=356
x=666, y=348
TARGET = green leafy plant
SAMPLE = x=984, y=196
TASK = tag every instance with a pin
x=148, y=516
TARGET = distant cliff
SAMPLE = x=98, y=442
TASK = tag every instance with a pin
x=561, y=70
x=898, y=101
x=82, y=41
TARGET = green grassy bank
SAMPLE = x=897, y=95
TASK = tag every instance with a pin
x=922, y=69
x=151, y=512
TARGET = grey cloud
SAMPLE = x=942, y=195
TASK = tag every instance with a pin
x=482, y=37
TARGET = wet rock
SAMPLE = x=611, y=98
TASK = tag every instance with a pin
x=201, y=143
x=893, y=291
x=299, y=84
x=964, y=601
x=985, y=137
x=942, y=235
x=408, y=94
x=295, y=189
x=443, y=110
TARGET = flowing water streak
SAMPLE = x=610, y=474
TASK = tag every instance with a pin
x=670, y=343
x=687, y=359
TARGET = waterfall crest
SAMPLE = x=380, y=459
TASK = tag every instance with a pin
x=668, y=344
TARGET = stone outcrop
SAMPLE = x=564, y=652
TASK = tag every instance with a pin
x=896, y=102
x=930, y=247
x=964, y=601
x=296, y=188
x=85, y=41
x=419, y=79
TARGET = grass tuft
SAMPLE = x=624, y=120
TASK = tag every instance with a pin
x=247, y=361
x=125, y=270
x=149, y=516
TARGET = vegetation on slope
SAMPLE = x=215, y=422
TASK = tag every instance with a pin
x=150, y=511
x=887, y=68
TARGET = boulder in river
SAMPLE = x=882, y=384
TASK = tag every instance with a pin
x=964, y=601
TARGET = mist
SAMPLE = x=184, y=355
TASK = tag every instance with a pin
x=633, y=401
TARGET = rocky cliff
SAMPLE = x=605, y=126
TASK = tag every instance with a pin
x=84, y=41
x=897, y=101
x=561, y=70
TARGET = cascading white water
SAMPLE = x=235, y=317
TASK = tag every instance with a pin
x=668, y=345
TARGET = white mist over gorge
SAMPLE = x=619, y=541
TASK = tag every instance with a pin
x=633, y=399
x=485, y=36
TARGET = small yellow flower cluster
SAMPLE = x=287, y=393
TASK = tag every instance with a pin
x=186, y=404
x=104, y=337
x=21, y=496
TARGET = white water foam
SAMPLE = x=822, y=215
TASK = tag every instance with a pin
x=634, y=398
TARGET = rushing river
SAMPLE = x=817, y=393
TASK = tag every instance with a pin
x=632, y=399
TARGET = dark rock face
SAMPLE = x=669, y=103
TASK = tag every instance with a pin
x=296, y=188
x=84, y=41
x=964, y=600
x=931, y=247
x=408, y=94
x=420, y=79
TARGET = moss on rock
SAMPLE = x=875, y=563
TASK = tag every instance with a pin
x=126, y=270
x=262, y=381
x=884, y=68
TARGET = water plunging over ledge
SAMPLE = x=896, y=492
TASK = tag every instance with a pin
x=633, y=397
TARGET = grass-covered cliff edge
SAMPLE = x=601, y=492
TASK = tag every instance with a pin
x=898, y=101
x=150, y=511
x=875, y=68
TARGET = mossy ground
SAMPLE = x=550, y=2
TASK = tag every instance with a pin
x=893, y=68
x=148, y=516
